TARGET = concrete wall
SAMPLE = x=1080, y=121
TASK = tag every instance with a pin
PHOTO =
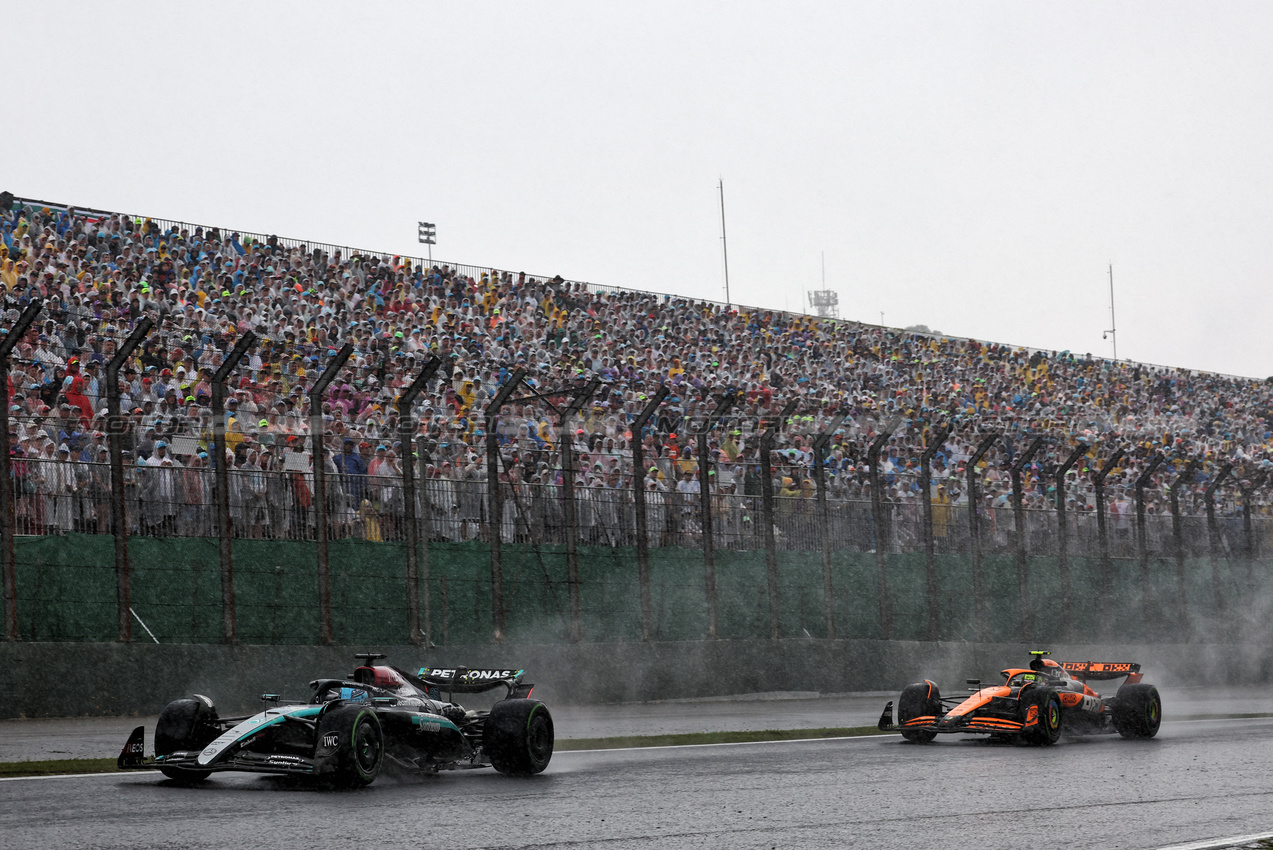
x=73, y=679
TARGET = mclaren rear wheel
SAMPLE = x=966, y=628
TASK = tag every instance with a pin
x=185, y=725
x=1137, y=711
x=922, y=699
x=1041, y=711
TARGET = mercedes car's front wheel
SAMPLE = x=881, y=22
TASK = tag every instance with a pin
x=185, y=725
x=350, y=748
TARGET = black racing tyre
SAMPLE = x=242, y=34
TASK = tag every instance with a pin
x=518, y=736
x=185, y=725
x=922, y=699
x=350, y=746
x=1045, y=704
x=1137, y=711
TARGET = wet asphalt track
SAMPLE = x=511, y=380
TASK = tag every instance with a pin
x=1196, y=780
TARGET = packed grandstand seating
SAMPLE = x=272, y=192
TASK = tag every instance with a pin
x=98, y=273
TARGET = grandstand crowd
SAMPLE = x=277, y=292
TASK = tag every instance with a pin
x=98, y=273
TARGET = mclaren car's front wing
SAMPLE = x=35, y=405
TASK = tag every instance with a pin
x=975, y=723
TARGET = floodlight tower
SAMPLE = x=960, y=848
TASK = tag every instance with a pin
x=428, y=233
x=825, y=302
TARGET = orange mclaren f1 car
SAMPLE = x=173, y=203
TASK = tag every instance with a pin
x=1034, y=704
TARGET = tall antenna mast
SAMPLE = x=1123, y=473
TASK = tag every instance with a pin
x=723, y=244
x=1112, y=333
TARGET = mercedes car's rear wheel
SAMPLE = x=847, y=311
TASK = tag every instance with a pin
x=518, y=736
x=1046, y=706
x=921, y=699
x=1137, y=711
x=351, y=746
x=185, y=725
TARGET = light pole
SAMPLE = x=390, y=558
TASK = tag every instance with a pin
x=1112, y=333
x=428, y=233
x=724, y=246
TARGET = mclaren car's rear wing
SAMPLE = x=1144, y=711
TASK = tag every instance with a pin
x=465, y=680
x=1091, y=671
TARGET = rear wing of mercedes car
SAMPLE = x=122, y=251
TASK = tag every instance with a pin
x=466, y=680
x=1092, y=671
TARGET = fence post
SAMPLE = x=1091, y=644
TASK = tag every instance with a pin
x=1142, y=531
x=930, y=553
x=1018, y=511
x=568, y=490
x=877, y=520
x=495, y=500
x=824, y=517
x=423, y=530
x=1178, y=537
x=334, y=365
x=1063, y=538
x=705, y=519
x=1248, y=532
x=123, y=568
x=767, y=508
x=1102, y=529
x=10, y=568
x=406, y=431
x=638, y=501
x=974, y=532
x=221, y=483
x=1213, y=534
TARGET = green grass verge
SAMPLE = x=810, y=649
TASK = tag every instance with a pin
x=58, y=767
x=1250, y=715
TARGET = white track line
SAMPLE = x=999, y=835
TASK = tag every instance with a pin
x=1217, y=843
x=115, y=773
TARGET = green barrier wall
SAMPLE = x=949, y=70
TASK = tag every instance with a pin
x=66, y=592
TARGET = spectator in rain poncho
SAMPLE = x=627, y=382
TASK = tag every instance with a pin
x=255, y=510
x=194, y=519
x=655, y=512
x=162, y=498
x=61, y=486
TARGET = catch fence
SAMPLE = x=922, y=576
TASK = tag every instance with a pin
x=546, y=503
x=131, y=429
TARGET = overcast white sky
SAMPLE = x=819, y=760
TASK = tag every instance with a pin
x=970, y=166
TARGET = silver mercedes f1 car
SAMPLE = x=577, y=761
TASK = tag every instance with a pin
x=350, y=729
